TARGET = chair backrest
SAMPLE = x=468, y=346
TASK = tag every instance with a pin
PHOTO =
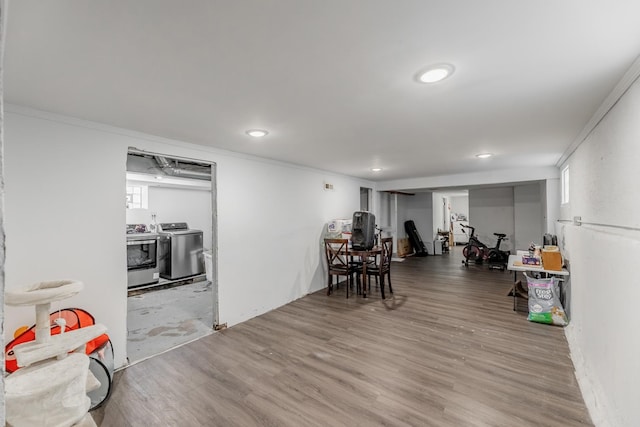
x=387, y=252
x=336, y=252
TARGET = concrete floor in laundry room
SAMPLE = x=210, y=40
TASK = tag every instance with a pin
x=161, y=319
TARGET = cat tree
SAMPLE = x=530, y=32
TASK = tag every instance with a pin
x=50, y=389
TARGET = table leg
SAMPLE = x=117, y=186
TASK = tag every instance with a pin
x=364, y=278
x=515, y=280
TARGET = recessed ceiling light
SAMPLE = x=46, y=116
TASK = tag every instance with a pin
x=435, y=73
x=484, y=155
x=376, y=169
x=257, y=133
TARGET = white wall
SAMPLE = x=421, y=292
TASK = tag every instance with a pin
x=460, y=205
x=491, y=210
x=439, y=219
x=183, y=205
x=383, y=210
x=528, y=215
x=463, y=180
x=420, y=210
x=177, y=204
x=393, y=219
x=401, y=214
x=365, y=199
x=65, y=216
x=551, y=194
x=386, y=216
x=604, y=292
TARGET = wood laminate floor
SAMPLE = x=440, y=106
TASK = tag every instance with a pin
x=445, y=350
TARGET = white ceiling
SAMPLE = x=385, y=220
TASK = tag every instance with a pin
x=332, y=80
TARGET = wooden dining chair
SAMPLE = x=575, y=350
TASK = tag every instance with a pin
x=338, y=263
x=382, y=267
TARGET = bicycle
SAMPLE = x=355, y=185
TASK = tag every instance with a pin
x=478, y=252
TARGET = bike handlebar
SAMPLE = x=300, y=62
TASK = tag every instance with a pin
x=473, y=229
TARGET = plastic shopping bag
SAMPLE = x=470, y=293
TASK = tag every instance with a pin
x=544, y=302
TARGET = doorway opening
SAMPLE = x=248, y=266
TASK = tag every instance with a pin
x=365, y=199
x=171, y=227
x=452, y=214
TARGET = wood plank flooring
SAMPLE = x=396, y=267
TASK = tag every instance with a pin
x=446, y=349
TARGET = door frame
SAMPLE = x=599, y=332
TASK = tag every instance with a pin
x=215, y=306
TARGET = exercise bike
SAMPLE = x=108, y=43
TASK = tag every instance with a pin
x=478, y=252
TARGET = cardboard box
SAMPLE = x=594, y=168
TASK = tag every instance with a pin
x=551, y=259
x=404, y=247
x=337, y=228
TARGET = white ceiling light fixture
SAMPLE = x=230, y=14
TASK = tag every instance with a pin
x=376, y=169
x=435, y=73
x=484, y=155
x=257, y=133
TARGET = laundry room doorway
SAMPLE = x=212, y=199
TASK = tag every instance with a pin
x=171, y=223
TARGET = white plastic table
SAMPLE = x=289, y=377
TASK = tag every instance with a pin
x=515, y=264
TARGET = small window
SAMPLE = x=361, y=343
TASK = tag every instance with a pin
x=565, y=185
x=137, y=197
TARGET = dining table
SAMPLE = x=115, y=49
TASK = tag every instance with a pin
x=365, y=254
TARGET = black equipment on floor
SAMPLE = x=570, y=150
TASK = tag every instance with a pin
x=478, y=252
x=415, y=239
x=363, y=230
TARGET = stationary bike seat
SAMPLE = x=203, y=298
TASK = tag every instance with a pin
x=499, y=234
